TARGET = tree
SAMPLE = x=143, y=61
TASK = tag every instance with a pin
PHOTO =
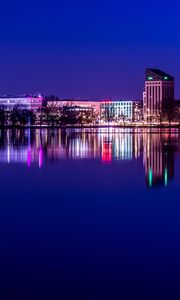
x=14, y=116
x=3, y=116
x=51, y=98
x=22, y=117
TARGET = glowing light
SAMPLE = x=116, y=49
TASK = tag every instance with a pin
x=150, y=78
x=165, y=77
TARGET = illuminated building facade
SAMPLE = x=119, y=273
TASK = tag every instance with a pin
x=95, y=105
x=88, y=111
x=108, y=110
x=22, y=102
x=177, y=111
x=158, y=96
x=121, y=110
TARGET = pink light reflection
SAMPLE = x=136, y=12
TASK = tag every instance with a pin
x=40, y=157
x=29, y=158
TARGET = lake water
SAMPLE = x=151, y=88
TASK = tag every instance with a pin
x=90, y=214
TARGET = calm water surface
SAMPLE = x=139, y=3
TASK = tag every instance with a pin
x=90, y=214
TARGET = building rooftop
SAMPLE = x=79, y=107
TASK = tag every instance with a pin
x=156, y=75
x=19, y=96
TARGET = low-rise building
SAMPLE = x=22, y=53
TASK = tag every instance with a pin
x=22, y=102
x=121, y=110
x=105, y=110
x=80, y=103
x=81, y=108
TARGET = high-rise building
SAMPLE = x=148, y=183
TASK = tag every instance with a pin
x=158, y=96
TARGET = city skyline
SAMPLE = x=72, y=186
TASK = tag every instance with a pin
x=86, y=51
x=158, y=107
x=74, y=98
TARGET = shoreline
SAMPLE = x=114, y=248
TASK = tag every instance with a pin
x=89, y=126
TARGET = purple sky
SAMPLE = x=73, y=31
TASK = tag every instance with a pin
x=87, y=49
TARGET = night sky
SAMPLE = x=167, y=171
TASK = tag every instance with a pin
x=87, y=49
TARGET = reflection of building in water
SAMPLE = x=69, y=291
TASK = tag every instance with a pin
x=120, y=145
x=21, y=155
x=16, y=147
x=34, y=146
x=106, y=150
x=74, y=144
x=107, y=144
x=46, y=145
x=117, y=147
x=158, y=159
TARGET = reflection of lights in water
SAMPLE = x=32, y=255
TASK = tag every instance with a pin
x=40, y=157
x=59, y=135
x=8, y=154
x=150, y=177
x=104, y=144
x=121, y=144
x=116, y=145
x=29, y=158
x=125, y=150
x=8, y=137
x=37, y=134
x=166, y=177
x=122, y=148
x=158, y=159
x=106, y=151
x=137, y=146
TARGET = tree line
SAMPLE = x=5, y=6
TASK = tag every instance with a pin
x=47, y=116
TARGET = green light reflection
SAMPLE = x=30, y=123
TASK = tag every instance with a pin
x=150, y=177
x=166, y=177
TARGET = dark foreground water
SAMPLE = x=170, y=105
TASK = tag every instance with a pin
x=90, y=214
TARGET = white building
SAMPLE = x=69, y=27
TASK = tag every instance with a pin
x=126, y=110
x=95, y=105
x=22, y=102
